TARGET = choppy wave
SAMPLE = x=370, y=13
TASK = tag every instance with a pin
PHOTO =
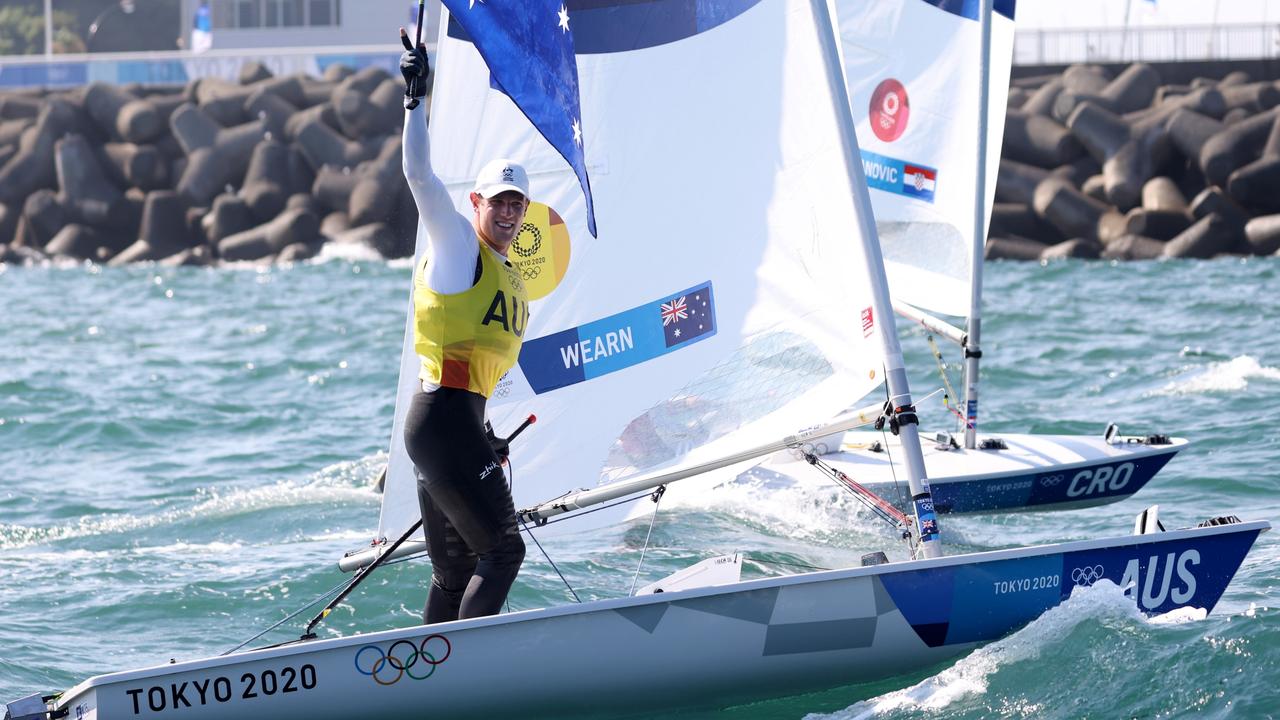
x=345, y=482
x=1220, y=377
x=971, y=676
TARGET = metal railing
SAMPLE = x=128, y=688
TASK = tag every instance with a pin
x=178, y=67
x=1146, y=44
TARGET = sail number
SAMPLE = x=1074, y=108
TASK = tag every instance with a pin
x=222, y=689
x=1004, y=587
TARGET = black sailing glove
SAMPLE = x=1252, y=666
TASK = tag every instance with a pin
x=415, y=69
x=499, y=445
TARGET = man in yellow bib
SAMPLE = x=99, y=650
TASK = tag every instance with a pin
x=470, y=314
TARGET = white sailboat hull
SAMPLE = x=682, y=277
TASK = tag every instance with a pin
x=1031, y=473
x=707, y=647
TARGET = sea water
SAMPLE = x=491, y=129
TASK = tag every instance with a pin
x=185, y=453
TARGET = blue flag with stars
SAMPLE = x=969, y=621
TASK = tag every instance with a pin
x=529, y=50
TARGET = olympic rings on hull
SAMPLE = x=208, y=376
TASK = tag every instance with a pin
x=402, y=658
x=1087, y=575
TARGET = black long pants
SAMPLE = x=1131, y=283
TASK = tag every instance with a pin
x=467, y=511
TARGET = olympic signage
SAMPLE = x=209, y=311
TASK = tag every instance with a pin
x=403, y=659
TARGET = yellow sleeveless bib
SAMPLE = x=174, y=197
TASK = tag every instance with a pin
x=470, y=339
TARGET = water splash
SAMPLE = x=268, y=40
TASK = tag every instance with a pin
x=971, y=676
x=1229, y=376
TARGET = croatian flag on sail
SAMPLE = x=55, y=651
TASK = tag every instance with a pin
x=529, y=50
x=688, y=316
x=918, y=181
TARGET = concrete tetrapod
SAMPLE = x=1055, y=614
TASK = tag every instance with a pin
x=85, y=189
x=1235, y=146
x=1129, y=156
x=1068, y=209
x=1162, y=193
x=1257, y=185
x=1016, y=182
x=1263, y=234
x=291, y=226
x=163, y=232
x=1157, y=224
x=1133, y=247
x=1209, y=236
x=1073, y=248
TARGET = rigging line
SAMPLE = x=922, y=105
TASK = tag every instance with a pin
x=911, y=540
x=657, y=498
x=549, y=560
x=332, y=591
x=946, y=381
x=875, y=503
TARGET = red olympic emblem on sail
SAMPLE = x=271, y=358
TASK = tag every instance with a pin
x=403, y=658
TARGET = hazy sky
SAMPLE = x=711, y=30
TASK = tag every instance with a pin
x=1036, y=14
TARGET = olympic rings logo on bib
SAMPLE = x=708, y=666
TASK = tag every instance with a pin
x=403, y=658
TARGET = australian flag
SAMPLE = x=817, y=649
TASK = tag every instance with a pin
x=689, y=315
x=528, y=47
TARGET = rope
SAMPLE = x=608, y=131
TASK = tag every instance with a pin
x=951, y=393
x=331, y=592
x=549, y=560
x=657, y=497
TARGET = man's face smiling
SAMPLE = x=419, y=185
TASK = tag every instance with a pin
x=498, y=218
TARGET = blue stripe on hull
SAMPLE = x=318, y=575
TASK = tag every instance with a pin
x=985, y=601
x=1097, y=484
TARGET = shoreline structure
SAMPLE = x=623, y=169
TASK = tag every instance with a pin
x=1098, y=162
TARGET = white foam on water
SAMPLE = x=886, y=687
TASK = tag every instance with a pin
x=788, y=505
x=971, y=675
x=1229, y=376
x=347, y=482
x=189, y=549
x=350, y=252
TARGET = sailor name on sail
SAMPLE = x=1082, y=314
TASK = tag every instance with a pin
x=880, y=171
x=594, y=348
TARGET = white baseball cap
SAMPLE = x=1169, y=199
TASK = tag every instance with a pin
x=501, y=175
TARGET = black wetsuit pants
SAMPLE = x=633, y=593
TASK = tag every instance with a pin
x=467, y=511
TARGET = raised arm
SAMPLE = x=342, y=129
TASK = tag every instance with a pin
x=451, y=239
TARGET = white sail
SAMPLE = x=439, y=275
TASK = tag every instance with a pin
x=913, y=75
x=723, y=209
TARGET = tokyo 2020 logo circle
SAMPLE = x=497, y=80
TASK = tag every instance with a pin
x=889, y=110
x=403, y=658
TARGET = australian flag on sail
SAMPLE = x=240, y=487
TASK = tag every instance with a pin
x=687, y=316
x=529, y=50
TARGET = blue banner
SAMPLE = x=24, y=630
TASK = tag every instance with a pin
x=899, y=177
x=619, y=341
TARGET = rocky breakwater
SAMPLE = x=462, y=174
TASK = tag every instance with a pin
x=267, y=169
x=1129, y=168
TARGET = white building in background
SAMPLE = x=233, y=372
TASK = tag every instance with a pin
x=310, y=23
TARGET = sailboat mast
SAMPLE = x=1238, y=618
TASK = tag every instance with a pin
x=973, y=348
x=896, y=376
